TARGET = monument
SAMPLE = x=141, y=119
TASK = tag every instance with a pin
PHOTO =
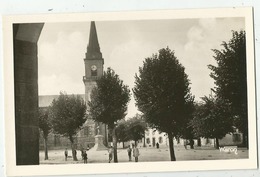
x=99, y=139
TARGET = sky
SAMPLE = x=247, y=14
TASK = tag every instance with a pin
x=125, y=45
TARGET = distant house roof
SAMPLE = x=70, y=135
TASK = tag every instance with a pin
x=46, y=100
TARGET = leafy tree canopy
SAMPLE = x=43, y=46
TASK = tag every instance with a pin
x=44, y=121
x=109, y=99
x=121, y=131
x=231, y=78
x=68, y=114
x=136, y=128
x=162, y=92
x=212, y=119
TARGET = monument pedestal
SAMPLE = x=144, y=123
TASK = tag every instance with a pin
x=99, y=146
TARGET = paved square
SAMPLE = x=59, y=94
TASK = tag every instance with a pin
x=147, y=155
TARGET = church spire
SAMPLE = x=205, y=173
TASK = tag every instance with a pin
x=93, y=45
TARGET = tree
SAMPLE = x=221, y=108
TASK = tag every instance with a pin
x=121, y=132
x=108, y=103
x=45, y=126
x=231, y=79
x=211, y=119
x=68, y=114
x=136, y=128
x=162, y=94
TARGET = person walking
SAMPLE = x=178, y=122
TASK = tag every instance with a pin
x=75, y=152
x=157, y=145
x=129, y=151
x=110, y=154
x=66, y=154
x=85, y=157
x=136, y=153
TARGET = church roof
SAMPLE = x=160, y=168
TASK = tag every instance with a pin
x=93, y=45
x=46, y=100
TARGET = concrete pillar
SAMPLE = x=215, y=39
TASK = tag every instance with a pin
x=26, y=92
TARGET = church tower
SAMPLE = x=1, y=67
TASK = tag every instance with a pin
x=93, y=70
x=93, y=62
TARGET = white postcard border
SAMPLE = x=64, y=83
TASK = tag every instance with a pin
x=13, y=170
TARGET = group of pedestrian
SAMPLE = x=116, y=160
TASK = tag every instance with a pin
x=84, y=155
x=66, y=153
x=190, y=143
x=110, y=154
x=135, y=153
x=129, y=152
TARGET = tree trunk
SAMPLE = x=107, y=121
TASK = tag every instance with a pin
x=178, y=140
x=136, y=143
x=46, y=148
x=173, y=158
x=74, y=155
x=115, y=144
x=123, y=144
x=144, y=141
x=217, y=143
x=199, y=142
x=106, y=136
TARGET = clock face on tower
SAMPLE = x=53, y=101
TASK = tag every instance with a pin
x=93, y=67
x=93, y=70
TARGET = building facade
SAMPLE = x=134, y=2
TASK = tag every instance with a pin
x=152, y=137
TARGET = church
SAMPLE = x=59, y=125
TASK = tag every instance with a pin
x=94, y=64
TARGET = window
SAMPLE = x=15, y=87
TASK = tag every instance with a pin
x=160, y=140
x=147, y=140
x=93, y=72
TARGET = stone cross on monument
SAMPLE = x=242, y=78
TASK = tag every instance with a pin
x=98, y=130
x=99, y=141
